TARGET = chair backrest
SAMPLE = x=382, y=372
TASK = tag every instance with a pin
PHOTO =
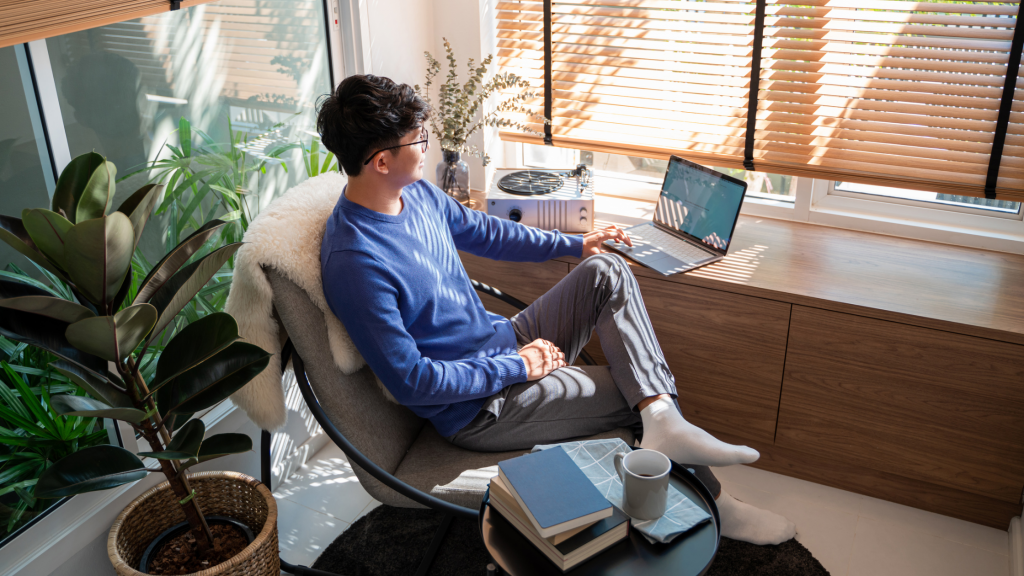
x=382, y=430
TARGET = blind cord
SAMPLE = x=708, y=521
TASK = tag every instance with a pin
x=1003, y=121
x=755, y=85
x=548, y=94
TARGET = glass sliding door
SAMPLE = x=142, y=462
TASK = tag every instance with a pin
x=244, y=74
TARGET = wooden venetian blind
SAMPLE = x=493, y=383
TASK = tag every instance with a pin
x=28, y=20
x=893, y=93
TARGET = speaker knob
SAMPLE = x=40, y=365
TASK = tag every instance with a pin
x=515, y=215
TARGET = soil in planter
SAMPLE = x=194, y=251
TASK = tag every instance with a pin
x=179, y=556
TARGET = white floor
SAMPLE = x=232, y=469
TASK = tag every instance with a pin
x=850, y=534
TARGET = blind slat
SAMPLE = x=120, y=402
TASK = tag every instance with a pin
x=878, y=91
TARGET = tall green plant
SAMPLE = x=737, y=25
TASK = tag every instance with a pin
x=90, y=248
x=33, y=436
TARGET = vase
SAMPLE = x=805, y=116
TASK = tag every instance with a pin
x=453, y=177
x=236, y=496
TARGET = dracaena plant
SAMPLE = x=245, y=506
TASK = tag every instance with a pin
x=454, y=119
x=99, y=338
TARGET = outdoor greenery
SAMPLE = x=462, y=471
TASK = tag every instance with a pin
x=114, y=316
x=454, y=120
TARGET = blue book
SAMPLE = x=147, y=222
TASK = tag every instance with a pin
x=555, y=494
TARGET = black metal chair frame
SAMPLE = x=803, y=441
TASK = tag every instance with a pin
x=355, y=456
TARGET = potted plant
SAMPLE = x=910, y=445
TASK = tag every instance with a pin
x=454, y=120
x=98, y=340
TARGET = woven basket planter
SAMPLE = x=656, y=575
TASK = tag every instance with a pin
x=220, y=494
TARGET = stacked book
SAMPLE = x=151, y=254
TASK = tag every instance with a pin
x=551, y=501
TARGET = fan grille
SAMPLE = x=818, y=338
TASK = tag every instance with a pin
x=530, y=182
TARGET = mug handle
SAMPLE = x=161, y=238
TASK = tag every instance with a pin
x=618, y=466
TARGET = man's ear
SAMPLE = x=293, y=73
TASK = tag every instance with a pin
x=380, y=163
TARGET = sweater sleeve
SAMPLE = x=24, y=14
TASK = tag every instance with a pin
x=491, y=237
x=359, y=291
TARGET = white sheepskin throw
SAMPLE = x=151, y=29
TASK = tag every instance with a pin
x=287, y=237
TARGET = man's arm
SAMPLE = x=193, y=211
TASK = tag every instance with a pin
x=367, y=305
x=491, y=237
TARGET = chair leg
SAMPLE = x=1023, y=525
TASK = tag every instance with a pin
x=428, y=557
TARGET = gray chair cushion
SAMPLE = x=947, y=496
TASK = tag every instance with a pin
x=388, y=434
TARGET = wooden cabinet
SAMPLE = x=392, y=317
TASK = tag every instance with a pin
x=921, y=403
x=524, y=281
x=726, y=352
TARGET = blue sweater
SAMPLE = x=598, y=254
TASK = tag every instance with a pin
x=398, y=286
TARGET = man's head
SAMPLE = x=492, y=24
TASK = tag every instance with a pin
x=370, y=118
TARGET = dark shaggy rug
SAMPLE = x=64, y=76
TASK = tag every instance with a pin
x=391, y=541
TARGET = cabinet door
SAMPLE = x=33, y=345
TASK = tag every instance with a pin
x=726, y=351
x=524, y=281
x=925, y=404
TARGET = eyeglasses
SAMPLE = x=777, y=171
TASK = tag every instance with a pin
x=424, y=143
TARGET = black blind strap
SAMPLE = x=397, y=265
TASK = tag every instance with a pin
x=755, y=82
x=175, y=4
x=999, y=138
x=547, y=72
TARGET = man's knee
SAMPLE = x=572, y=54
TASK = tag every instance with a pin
x=606, y=264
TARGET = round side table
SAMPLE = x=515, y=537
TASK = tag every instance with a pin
x=690, y=554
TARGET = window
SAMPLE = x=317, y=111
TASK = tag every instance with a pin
x=965, y=204
x=244, y=74
x=904, y=94
x=639, y=177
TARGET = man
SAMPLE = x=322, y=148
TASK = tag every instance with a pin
x=392, y=275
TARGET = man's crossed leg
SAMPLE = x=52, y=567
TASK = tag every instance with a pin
x=636, y=390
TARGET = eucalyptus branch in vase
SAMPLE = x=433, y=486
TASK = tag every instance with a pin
x=460, y=113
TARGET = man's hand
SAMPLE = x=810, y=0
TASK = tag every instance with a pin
x=592, y=240
x=541, y=358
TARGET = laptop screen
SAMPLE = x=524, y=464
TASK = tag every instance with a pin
x=700, y=202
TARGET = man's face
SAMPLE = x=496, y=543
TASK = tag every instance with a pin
x=407, y=162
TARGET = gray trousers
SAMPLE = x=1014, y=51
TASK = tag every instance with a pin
x=599, y=295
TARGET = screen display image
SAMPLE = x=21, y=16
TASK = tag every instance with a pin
x=700, y=204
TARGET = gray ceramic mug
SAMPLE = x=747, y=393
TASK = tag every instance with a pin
x=644, y=475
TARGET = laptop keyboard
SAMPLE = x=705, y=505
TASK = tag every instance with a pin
x=654, y=240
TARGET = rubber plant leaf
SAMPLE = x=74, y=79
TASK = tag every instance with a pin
x=81, y=406
x=185, y=443
x=195, y=343
x=98, y=194
x=88, y=470
x=97, y=387
x=183, y=286
x=175, y=259
x=48, y=333
x=114, y=337
x=56, y=308
x=213, y=380
x=47, y=231
x=122, y=292
x=72, y=183
x=98, y=254
x=220, y=445
x=13, y=233
x=139, y=207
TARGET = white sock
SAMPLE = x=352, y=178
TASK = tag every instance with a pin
x=741, y=521
x=666, y=431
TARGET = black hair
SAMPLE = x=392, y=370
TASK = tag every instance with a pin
x=364, y=114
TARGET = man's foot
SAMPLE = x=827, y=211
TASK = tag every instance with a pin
x=666, y=431
x=741, y=521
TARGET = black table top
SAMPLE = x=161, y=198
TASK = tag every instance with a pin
x=690, y=554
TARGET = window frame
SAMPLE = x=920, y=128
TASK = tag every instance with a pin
x=816, y=202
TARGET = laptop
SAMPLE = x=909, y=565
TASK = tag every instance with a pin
x=693, y=223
